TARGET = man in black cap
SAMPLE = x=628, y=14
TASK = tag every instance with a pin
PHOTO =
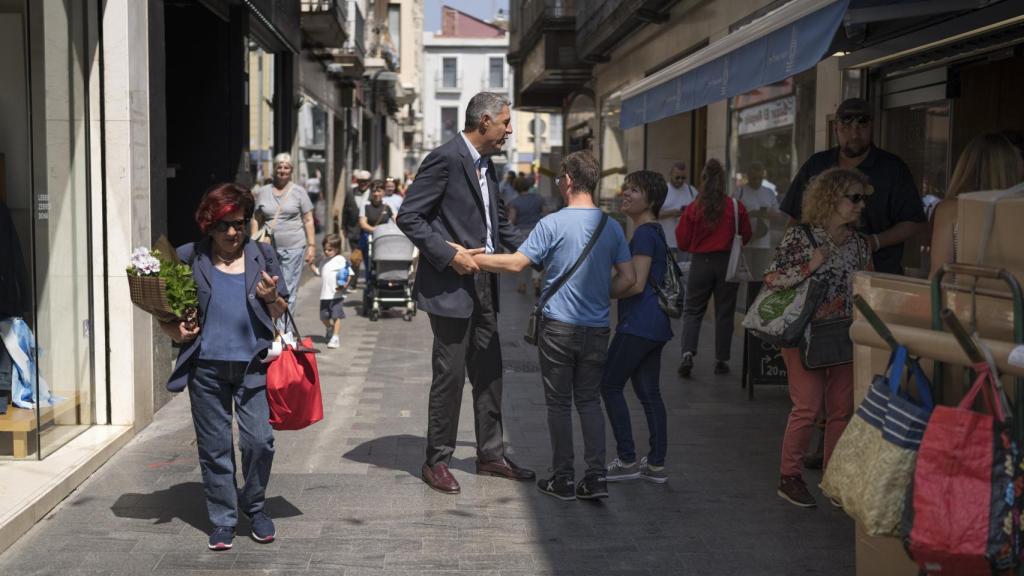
x=894, y=213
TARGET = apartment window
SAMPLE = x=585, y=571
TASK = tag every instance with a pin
x=450, y=73
x=395, y=27
x=449, y=123
x=497, y=72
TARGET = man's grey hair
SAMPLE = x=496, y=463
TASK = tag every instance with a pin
x=488, y=104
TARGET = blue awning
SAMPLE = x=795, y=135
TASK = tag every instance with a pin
x=779, y=45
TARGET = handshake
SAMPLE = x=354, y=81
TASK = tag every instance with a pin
x=463, y=262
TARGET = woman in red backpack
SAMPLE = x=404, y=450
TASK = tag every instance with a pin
x=240, y=292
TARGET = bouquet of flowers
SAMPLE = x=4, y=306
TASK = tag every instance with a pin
x=163, y=286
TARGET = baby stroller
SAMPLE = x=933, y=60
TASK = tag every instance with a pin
x=390, y=263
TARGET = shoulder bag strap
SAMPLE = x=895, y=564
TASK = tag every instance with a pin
x=579, y=261
x=735, y=217
x=280, y=204
x=669, y=261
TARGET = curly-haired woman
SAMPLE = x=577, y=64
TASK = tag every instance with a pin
x=831, y=208
x=240, y=295
x=706, y=230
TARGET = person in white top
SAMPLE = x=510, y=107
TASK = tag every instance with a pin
x=762, y=206
x=680, y=195
x=335, y=279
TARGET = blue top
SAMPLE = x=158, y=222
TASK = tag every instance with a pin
x=528, y=207
x=641, y=315
x=556, y=242
x=227, y=328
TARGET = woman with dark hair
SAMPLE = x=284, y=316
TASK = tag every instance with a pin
x=643, y=330
x=832, y=205
x=240, y=295
x=706, y=230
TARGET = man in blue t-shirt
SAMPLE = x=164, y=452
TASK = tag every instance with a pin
x=574, y=331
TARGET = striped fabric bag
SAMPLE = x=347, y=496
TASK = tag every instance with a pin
x=873, y=462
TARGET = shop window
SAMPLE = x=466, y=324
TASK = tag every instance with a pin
x=46, y=354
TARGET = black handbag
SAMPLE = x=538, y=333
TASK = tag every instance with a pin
x=670, y=292
x=532, y=335
x=827, y=343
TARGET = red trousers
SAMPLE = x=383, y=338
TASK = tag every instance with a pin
x=810, y=390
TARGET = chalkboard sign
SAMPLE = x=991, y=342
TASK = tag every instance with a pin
x=762, y=362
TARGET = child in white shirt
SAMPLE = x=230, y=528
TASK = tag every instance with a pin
x=335, y=279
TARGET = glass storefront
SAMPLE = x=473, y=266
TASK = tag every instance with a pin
x=46, y=371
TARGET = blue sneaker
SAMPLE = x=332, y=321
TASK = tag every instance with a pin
x=221, y=538
x=262, y=528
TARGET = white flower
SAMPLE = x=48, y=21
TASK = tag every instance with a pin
x=144, y=263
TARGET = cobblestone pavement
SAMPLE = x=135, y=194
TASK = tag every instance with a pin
x=347, y=498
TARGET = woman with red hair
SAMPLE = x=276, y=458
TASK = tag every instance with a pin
x=240, y=296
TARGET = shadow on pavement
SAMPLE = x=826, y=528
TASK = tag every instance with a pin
x=185, y=501
x=403, y=452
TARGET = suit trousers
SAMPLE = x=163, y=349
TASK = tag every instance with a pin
x=707, y=279
x=466, y=346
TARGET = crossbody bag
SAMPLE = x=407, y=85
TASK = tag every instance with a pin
x=826, y=343
x=532, y=335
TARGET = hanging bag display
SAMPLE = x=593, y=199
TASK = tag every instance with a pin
x=873, y=462
x=962, y=511
x=737, y=270
x=293, y=385
x=532, y=335
x=780, y=317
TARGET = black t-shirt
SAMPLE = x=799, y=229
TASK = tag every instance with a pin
x=377, y=215
x=895, y=198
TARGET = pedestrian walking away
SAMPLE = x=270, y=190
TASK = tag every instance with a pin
x=706, y=230
x=451, y=211
x=579, y=246
x=640, y=337
x=831, y=209
x=893, y=213
x=241, y=293
x=286, y=209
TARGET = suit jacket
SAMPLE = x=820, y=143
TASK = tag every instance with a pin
x=258, y=257
x=445, y=203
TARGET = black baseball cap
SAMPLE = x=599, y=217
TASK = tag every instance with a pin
x=852, y=107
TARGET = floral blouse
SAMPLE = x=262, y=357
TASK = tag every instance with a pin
x=791, y=266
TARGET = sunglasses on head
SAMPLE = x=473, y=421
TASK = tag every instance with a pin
x=855, y=121
x=223, y=225
x=857, y=198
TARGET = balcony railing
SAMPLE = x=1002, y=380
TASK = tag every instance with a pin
x=355, y=26
x=323, y=21
x=526, y=17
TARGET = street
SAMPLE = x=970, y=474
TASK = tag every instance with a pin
x=347, y=498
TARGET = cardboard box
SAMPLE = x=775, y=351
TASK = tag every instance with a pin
x=1003, y=243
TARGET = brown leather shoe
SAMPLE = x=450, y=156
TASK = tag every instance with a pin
x=440, y=478
x=504, y=468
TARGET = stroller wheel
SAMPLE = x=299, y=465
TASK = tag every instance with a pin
x=374, y=315
x=407, y=317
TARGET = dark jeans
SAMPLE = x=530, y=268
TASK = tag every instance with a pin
x=638, y=359
x=212, y=389
x=572, y=362
x=464, y=345
x=707, y=279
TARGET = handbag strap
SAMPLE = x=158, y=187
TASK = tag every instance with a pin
x=280, y=204
x=579, y=261
x=669, y=260
x=899, y=360
x=984, y=383
x=735, y=217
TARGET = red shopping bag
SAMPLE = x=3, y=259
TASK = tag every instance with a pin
x=963, y=508
x=293, y=388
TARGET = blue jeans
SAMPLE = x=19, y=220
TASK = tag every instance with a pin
x=572, y=359
x=212, y=388
x=639, y=359
x=292, y=260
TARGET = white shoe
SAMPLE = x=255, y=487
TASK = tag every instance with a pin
x=334, y=342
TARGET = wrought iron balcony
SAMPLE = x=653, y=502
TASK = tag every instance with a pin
x=543, y=54
x=603, y=24
x=323, y=22
x=530, y=18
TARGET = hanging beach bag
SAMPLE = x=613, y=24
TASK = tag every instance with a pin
x=780, y=317
x=962, y=510
x=293, y=385
x=873, y=462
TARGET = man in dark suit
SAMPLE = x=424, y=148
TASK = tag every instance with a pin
x=450, y=212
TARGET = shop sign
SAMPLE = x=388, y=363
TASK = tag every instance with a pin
x=774, y=114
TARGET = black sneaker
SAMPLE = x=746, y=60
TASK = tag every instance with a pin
x=262, y=528
x=793, y=489
x=560, y=488
x=721, y=367
x=221, y=538
x=592, y=488
x=686, y=365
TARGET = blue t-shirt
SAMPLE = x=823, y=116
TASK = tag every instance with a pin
x=640, y=315
x=227, y=333
x=556, y=242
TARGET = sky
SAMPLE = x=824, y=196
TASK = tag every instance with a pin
x=484, y=9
